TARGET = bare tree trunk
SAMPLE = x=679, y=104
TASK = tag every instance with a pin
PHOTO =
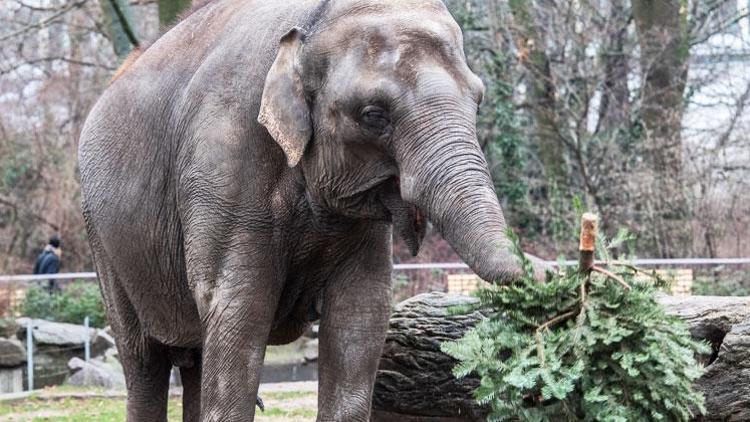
x=615, y=102
x=119, y=21
x=613, y=125
x=541, y=93
x=662, y=34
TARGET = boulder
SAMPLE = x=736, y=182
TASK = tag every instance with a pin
x=111, y=354
x=310, y=350
x=12, y=353
x=95, y=373
x=102, y=342
x=12, y=359
x=55, y=333
x=109, y=331
x=312, y=331
x=11, y=380
x=414, y=380
x=56, y=343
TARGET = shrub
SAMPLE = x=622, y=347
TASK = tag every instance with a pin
x=722, y=281
x=73, y=304
x=580, y=347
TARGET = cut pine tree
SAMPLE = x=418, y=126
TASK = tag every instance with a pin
x=591, y=343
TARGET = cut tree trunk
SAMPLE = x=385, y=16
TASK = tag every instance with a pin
x=415, y=383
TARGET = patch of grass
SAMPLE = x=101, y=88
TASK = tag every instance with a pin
x=275, y=412
x=65, y=388
x=36, y=409
x=285, y=354
x=287, y=395
x=284, y=407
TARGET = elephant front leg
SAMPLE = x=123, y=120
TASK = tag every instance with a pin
x=236, y=328
x=354, y=321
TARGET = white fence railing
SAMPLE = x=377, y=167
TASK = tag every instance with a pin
x=40, y=277
x=685, y=262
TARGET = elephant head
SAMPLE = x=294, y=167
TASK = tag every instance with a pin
x=376, y=104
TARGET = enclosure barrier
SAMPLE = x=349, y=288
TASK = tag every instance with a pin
x=636, y=262
x=12, y=379
x=30, y=354
x=430, y=266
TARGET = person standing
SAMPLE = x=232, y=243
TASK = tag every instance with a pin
x=48, y=262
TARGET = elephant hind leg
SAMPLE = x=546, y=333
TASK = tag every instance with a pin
x=145, y=362
x=147, y=376
x=191, y=394
x=191, y=391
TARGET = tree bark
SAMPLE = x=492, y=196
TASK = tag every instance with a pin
x=415, y=383
x=414, y=377
x=119, y=21
x=661, y=26
x=532, y=54
x=615, y=101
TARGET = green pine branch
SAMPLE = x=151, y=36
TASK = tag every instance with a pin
x=580, y=347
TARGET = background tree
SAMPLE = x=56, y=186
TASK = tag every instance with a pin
x=120, y=25
x=632, y=104
x=663, y=38
x=636, y=109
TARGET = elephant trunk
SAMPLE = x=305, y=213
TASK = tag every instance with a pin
x=447, y=178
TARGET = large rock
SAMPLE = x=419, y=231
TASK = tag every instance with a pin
x=95, y=373
x=414, y=381
x=11, y=380
x=12, y=358
x=55, y=333
x=56, y=343
x=310, y=350
x=12, y=353
x=102, y=342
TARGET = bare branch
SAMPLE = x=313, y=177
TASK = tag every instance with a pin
x=43, y=22
x=11, y=204
x=55, y=59
x=719, y=29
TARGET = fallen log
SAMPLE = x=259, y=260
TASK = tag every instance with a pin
x=415, y=383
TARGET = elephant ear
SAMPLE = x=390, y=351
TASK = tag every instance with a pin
x=283, y=109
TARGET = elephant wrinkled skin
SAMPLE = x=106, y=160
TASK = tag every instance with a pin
x=242, y=176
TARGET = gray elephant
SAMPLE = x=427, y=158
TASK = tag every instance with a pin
x=237, y=187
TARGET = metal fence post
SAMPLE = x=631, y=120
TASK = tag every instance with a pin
x=87, y=345
x=30, y=353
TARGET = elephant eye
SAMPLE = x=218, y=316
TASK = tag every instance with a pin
x=375, y=121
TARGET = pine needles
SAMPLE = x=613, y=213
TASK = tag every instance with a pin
x=591, y=347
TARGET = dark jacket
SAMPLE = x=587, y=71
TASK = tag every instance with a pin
x=47, y=262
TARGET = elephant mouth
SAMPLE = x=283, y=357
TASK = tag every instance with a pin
x=408, y=221
x=380, y=199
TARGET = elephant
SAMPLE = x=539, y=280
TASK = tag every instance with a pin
x=244, y=175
